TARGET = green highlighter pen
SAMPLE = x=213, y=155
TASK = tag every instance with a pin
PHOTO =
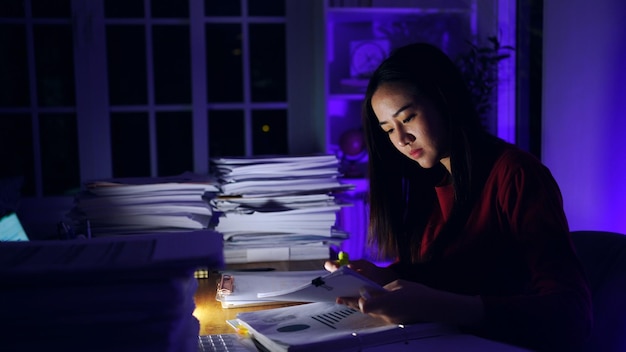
x=343, y=258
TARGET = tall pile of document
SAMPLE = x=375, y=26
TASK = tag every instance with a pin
x=144, y=205
x=277, y=208
x=112, y=293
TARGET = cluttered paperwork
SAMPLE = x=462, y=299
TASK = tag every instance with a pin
x=324, y=326
x=240, y=288
x=237, y=289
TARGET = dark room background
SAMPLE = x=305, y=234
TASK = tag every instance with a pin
x=115, y=88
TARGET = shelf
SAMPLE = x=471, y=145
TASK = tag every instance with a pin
x=359, y=96
x=388, y=28
x=386, y=24
x=368, y=14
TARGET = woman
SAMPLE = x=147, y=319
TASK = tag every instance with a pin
x=476, y=225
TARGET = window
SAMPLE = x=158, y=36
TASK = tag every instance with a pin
x=122, y=88
x=37, y=97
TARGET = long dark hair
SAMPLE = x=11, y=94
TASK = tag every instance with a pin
x=402, y=193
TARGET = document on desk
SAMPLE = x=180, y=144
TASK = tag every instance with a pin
x=328, y=326
x=238, y=289
x=343, y=282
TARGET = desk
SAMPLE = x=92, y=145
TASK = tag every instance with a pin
x=209, y=311
x=213, y=317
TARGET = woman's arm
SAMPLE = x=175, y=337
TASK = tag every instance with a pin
x=554, y=311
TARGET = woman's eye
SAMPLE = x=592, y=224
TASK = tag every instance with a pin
x=409, y=118
x=388, y=131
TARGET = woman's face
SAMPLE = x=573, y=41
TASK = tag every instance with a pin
x=414, y=126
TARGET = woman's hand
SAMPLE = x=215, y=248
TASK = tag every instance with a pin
x=409, y=302
x=368, y=269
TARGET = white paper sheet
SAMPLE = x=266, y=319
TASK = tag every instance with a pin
x=343, y=282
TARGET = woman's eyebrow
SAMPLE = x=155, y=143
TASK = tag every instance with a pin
x=402, y=109
x=397, y=113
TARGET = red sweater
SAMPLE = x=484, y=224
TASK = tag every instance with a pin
x=515, y=252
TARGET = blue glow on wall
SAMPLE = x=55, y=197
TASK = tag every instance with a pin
x=584, y=117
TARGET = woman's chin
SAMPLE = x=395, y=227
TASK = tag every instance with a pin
x=424, y=164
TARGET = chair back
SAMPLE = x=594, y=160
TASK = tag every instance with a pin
x=603, y=256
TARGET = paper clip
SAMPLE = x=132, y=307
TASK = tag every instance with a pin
x=88, y=229
x=65, y=231
x=226, y=285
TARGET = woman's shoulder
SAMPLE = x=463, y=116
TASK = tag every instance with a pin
x=513, y=161
x=511, y=153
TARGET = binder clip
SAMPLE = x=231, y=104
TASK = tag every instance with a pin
x=226, y=286
x=318, y=282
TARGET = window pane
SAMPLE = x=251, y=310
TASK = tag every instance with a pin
x=123, y=9
x=269, y=132
x=51, y=9
x=13, y=66
x=130, y=144
x=226, y=133
x=174, y=143
x=12, y=8
x=266, y=7
x=54, y=60
x=224, y=63
x=59, y=154
x=169, y=8
x=126, y=54
x=222, y=8
x=268, y=67
x=172, y=64
x=16, y=150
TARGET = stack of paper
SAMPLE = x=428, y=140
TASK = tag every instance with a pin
x=271, y=168
x=278, y=208
x=262, y=288
x=134, y=205
x=116, y=293
x=245, y=286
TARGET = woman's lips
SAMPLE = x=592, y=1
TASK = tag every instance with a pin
x=415, y=153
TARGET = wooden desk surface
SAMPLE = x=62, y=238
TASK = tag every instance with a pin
x=209, y=311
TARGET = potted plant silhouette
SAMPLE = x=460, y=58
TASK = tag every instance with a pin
x=479, y=67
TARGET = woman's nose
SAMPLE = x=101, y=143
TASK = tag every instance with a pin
x=404, y=138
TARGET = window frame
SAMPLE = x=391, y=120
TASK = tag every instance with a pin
x=92, y=107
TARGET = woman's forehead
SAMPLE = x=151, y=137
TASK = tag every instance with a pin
x=398, y=91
